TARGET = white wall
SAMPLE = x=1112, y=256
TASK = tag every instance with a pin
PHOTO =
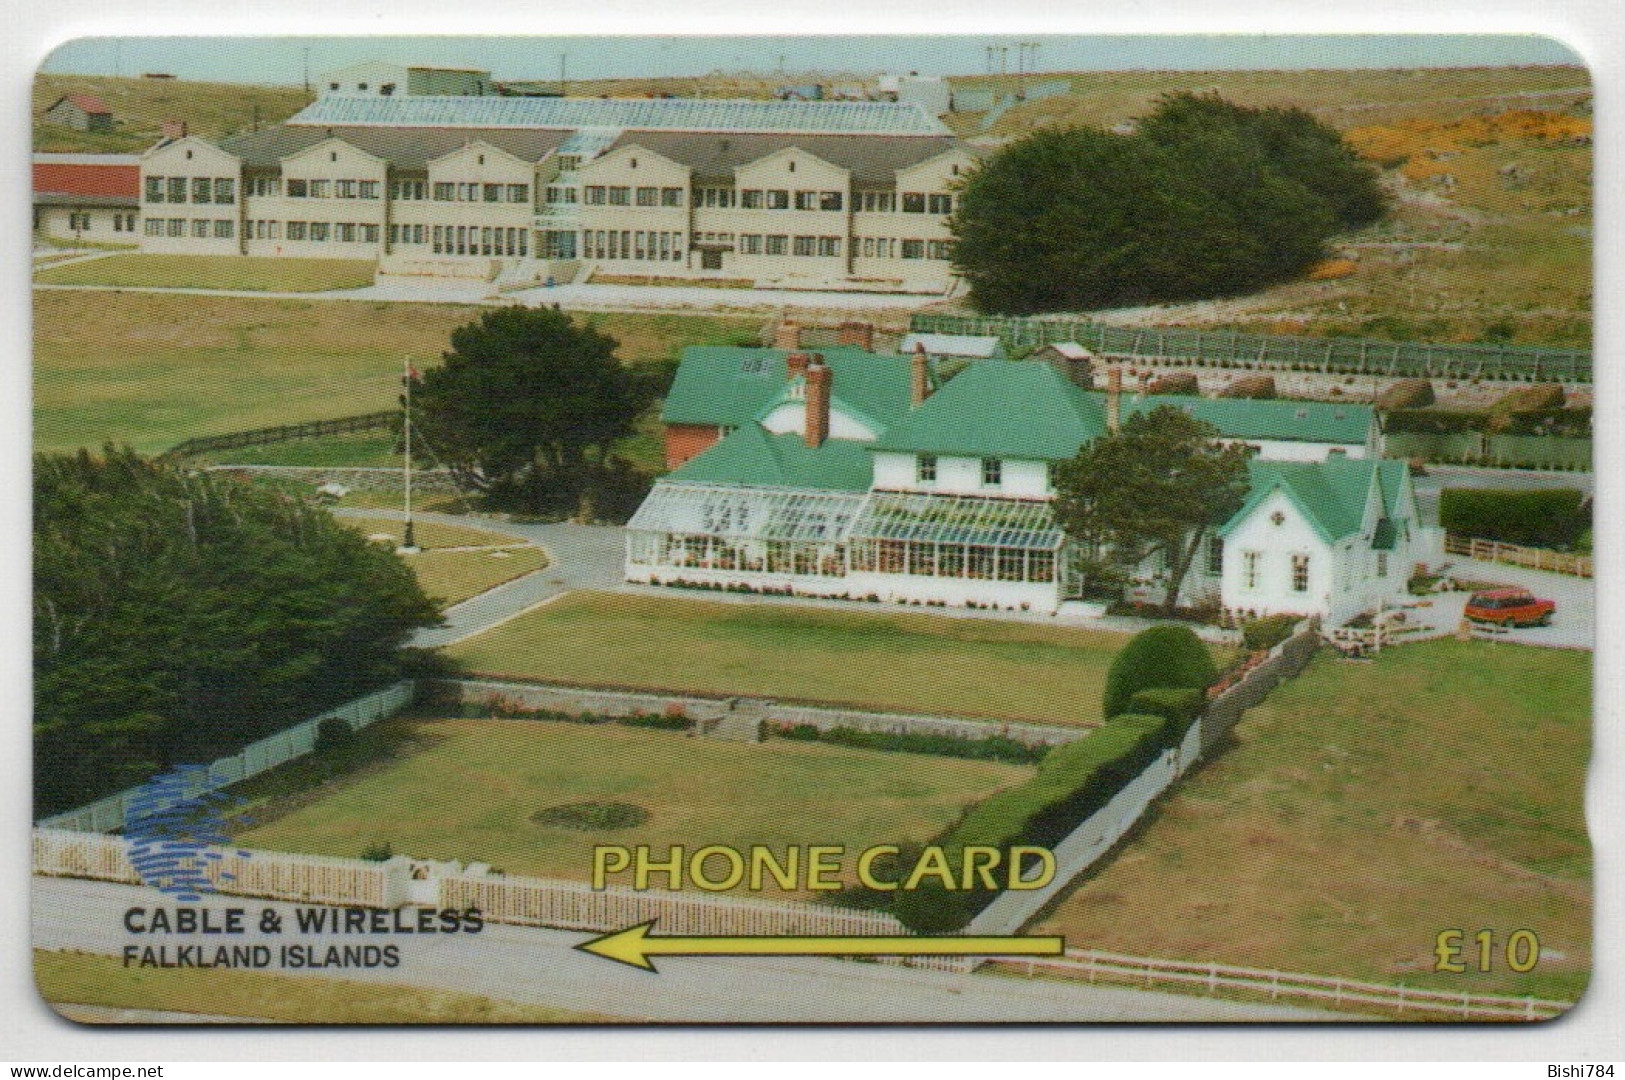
x=1285, y=450
x=791, y=418
x=1276, y=544
x=962, y=476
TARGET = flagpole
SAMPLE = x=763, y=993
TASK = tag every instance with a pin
x=407, y=543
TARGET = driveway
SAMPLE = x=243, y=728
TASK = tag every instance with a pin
x=1574, y=623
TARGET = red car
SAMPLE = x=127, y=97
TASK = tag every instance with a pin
x=1509, y=607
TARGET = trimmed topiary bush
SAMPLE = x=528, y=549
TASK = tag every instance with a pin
x=1179, y=707
x=1157, y=657
x=1554, y=518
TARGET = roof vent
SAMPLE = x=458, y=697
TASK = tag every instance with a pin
x=1302, y=414
x=1341, y=414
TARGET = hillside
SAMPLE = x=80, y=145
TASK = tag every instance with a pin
x=140, y=106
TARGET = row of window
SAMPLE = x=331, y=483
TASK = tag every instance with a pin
x=201, y=228
x=929, y=559
x=203, y=189
x=818, y=246
x=409, y=234
x=1249, y=571
x=80, y=222
x=333, y=189
x=599, y=195
x=632, y=244
x=480, y=240
x=885, y=247
x=343, y=232
x=445, y=191
x=925, y=470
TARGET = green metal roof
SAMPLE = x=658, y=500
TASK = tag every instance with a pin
x=1001, y=408
x=1242, y=418
x=732, y=387
x=1331, y=494
x=752, y=456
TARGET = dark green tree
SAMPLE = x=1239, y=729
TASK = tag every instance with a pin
x=179, y=615
x=527, y=396
x=1155, y=488
x=1206, y=199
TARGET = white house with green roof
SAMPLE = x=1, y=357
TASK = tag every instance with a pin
x=855, y=475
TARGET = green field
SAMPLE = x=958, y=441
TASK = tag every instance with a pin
x=877, y=659
x=232, y=272
x=468, y=790
x=1364, y=808
x=140, y=106
x=452, y=576
x=152, y=370
x=69, y=979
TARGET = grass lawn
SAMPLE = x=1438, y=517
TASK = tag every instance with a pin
x=453, y=576
x=1364, y=809
x=151, y=370
x=84, y=979
x=214, y=272
x=468, y=789
x=876, y=659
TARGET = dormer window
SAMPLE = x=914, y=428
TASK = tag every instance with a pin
x=925, y=469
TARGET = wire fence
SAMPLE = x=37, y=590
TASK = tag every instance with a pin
x=1222, y=348
x=266, y=436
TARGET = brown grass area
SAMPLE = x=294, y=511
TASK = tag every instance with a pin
x=140, y=106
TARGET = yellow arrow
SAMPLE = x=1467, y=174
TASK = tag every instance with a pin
x=634, y=946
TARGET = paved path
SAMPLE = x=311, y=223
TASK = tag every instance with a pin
x=1574, y=623
x=531, y=965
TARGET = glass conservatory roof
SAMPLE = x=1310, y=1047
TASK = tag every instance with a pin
x=958, y=519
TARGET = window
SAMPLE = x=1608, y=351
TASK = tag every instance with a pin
x=410, y=190
x=368, y=189
x=444, y=192
x=493, y=192
x=565, y=195
x=925, y=469
x=298, y=189
x=829, y=247
x=468, y=191
x=718, y=197
x=177, y=189
x=777, y=245
x=200, y=189
x=1249, y=569
x=992, y=472
x=750, y=244
x=200, y=228
x=1382, y=564
x=519, y=193
x=175, y=227
x=155, y=189
x=386, y=90
x=265, y=185
x=806, y=245
x=620, y=196
x=319, y=231
x=118, y=222
x=1215, y=555
x=913, y=249
x=78, y=222
x=778, y=199
x=224, y=230
x=671, y=196
x=648, y=196
x=913, y=202
x=345, y=232
x=321, y=189
x=939, y=249
x=297, y=230
x=830, y=200
x=153, y=227
x=595, y=195
x=940, y=204
x=1300, y=573
x=750, y=199
x=806, y=200
x=878, y=202
x=346, y=189
x=225, y=191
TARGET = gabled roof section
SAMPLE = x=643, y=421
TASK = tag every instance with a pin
x=753, y=457
x=1001, y=408
x=716, y=156
x=651, y=114
x=411, y=149
x=89, y=103
x=1330, y=494
x=1275, y=420
x=731, y=387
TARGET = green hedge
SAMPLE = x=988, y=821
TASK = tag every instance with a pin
x=1179, y=707
x=1554, y=518
x=1435, y=421
x=1157, y=657
x=1073, y=781
x=1267, y=632
x=989, y=748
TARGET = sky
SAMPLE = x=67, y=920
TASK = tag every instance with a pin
x=283, y=59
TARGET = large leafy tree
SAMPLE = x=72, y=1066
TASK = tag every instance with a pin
x=179, y=615
x=1205, y=199
x=1153, y=488
x=527, y=394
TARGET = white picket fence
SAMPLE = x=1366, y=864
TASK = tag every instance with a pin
x=1339, y=994
x=109, y=813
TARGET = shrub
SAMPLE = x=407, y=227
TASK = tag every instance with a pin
x=662, y=722
x=1406, y=394
x=1554, y=518
x=1178, y=382
x=1178, y=707
x=1267, y=632
x=378, y=852
x=1160, y=656
x=1435, y=421
x=1537, y=396
x=336, y=741
x=1258, y=387
x=1074, y=781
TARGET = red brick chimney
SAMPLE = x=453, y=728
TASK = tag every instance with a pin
x=787, y=335
x=919, y=376
x=861, y=334
x=1145, y=383
x=818, y=379
x=796, y=362
x=1114, y=400
x=173, y=129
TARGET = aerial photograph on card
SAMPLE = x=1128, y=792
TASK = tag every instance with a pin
x=913, y=530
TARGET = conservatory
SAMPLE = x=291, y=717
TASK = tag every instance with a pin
x=909, y=547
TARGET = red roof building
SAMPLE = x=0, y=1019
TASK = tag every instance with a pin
x=87, y=179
